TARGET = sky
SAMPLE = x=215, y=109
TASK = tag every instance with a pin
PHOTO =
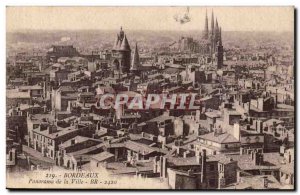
x=278, y=19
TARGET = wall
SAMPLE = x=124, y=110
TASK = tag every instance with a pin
x=179, y=180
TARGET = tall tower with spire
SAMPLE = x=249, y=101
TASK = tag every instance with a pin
x=121, y=54
x=135, y=64
x=216, y=34
x=212, y=30
x=206, y=33
x=220, y=51
x=212, y=25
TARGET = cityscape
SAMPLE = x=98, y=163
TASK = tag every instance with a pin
x=206, y=109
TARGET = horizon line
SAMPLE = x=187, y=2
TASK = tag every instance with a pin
x=158, y=30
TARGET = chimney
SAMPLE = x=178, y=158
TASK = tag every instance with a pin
x=155, y=165
x=276, y=99
x=69, y=106
x=282, y=150
x=163, y=167
x=236, y=131
x=290, y=158
x=203, y=166
x=257, y=157
x=249, y=106
x=52, y=128
x=265, y=181
x=252, y=156
x=185, y=154
x=199, y=158
x=98, y=125
x=259, y=126
x=241, y=151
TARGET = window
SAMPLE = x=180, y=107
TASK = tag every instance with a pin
x=226, y=146
x=211, y=167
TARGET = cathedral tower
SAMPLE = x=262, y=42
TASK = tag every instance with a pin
x=212, y=26
x=216, y=34
x=212, y=34
x=206, y=33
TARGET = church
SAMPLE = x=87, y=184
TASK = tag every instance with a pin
x=209, y=45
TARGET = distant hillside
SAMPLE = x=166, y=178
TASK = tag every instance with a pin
x=104, y=38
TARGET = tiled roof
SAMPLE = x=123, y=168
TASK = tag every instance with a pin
x=102, y=156
x=220, y=138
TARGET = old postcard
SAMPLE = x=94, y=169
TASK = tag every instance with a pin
x=150, y=98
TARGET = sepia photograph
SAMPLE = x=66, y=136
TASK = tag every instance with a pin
x=150, y=98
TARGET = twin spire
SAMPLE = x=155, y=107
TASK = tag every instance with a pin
x=215, y=31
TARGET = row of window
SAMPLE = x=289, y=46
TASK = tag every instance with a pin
x=44, y=139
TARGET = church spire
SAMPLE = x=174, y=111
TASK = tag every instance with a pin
x=220, y=36
x=212, y=22
x=216, y=33
x=136, y=59
x=220, y=54
x=206, y=26
x=217, y=26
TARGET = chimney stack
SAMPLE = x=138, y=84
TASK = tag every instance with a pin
x=52, y=128
x=203, y=166
x=276, y=98
x=199, y=158
x=163, y=167
x=265, y=182
x=236, y=131
x=257, y=157
x=155, y=164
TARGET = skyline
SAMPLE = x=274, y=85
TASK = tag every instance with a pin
x=154, y=18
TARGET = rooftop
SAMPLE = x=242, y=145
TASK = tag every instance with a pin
x=219, y=138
